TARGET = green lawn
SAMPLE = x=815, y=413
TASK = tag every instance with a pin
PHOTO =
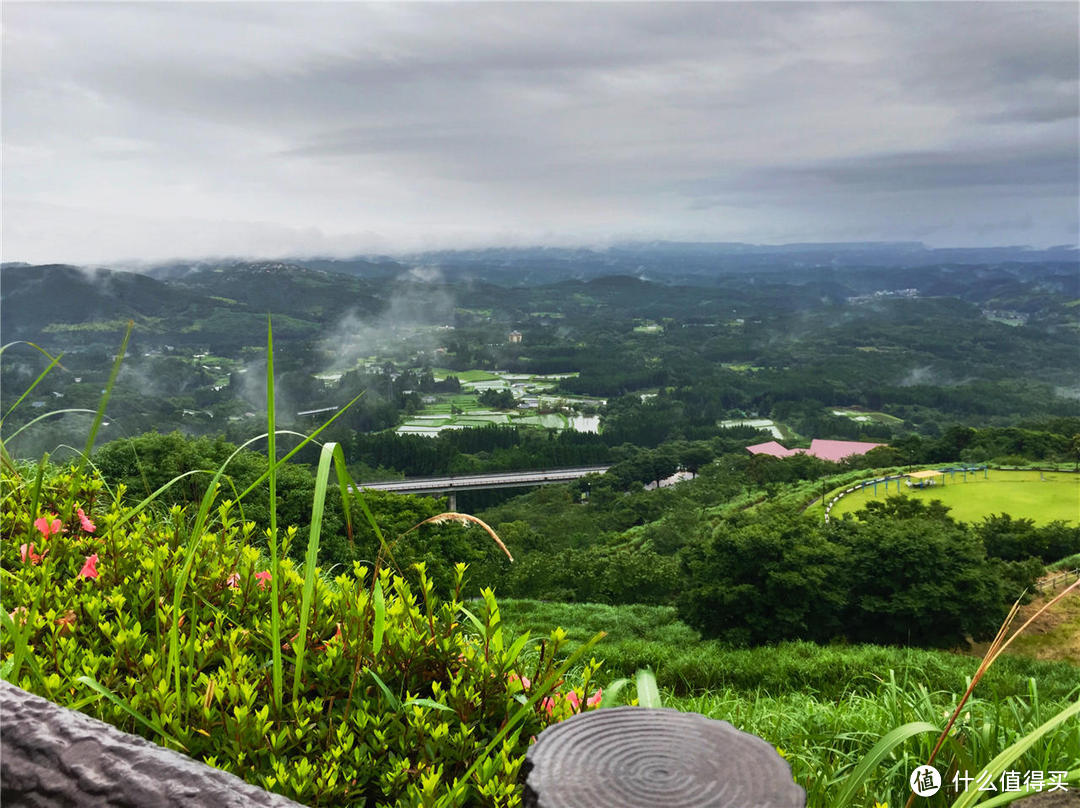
x=1040, y=496
x=464, y=375
x=864, y=415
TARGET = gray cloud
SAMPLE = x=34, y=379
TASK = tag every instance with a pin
x=184, y=129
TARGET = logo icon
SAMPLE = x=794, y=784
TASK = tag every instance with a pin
x=925, y=781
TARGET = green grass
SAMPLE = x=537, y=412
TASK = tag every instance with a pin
x=877, y=417
x=826, y=707
x=1041, y=496
x=653, y=637
x=465, y=375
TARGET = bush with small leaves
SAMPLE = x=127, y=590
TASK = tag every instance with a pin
x=395, y=697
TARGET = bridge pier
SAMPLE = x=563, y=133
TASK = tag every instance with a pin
x=451, y=501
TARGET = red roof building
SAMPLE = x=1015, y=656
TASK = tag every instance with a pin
x=773, y=449
x=832, y=450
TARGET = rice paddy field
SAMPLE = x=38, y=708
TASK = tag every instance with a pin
x=464, y=410
x=1042, y=496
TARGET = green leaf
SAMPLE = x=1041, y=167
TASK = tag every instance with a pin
x=271, y=453
x=428, y=703
x=611, y=693
x=100, y=415
x=394, y=703
x=311, y=559
x=538, y=693
x=857, y=779
x=380, y=619
x=1027, y=791
x=515, y=649
x=648, y=693
x=95, y=685
x=993, y=769
x=21, y=651
x=474, y=620
x=55, y=360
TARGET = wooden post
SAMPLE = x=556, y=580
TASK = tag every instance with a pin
x=55, y=756
x=637, y=757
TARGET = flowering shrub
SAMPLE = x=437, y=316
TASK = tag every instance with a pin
x=399, y=695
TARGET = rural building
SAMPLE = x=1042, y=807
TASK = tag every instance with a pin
x=832, y=450
x=514, y=338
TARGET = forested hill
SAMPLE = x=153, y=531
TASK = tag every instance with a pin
x=703, y=263
x=210, y=306
x=915, y=349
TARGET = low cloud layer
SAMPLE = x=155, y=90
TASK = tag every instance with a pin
x=150, y=131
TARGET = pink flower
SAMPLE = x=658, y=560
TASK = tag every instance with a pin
x=27, y=552
x=233, y=581
x=524, y=680
x=47, y=526
x=84, y=520
x=572, y=697
x=548, y=704
x=89, y=569
x=263, y=578
x=594, y=699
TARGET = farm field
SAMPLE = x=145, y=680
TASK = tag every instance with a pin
x=464, y=410
x=1040, y=496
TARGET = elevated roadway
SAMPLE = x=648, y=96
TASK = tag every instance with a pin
x=479, y=482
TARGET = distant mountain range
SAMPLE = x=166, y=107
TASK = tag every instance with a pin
x=660, y=260
x=212, y=301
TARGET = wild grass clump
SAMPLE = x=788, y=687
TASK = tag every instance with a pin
x=653, y=637
x=825, y=740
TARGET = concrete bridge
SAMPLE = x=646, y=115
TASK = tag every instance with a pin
x=478, y=482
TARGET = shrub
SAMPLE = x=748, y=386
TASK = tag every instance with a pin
x=395, y=698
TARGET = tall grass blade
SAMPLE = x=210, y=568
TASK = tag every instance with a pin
x=96, y=686
x=1004, y=799
x=395, y=704
x=21, y=651
x=271, y=452
x=35, y=497
x=326, y=456
x=379, y=626
x=854, y=782
x=55, y=360
x=100, y=415
x=993, y=770
x=49, y=414
x=306, y=440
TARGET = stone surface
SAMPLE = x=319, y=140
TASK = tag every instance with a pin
x=634, y=757
x=1057, y=799
x=52, y=756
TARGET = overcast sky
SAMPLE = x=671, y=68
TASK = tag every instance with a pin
x=159, y=130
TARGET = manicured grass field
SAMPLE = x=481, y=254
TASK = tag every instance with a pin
x=1041, y=496
x=464, y=375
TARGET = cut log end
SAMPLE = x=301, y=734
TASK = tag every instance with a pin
x=635, y=757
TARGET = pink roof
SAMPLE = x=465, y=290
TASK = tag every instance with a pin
x=771, y=448
x=837, y=450
x=834, y=450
